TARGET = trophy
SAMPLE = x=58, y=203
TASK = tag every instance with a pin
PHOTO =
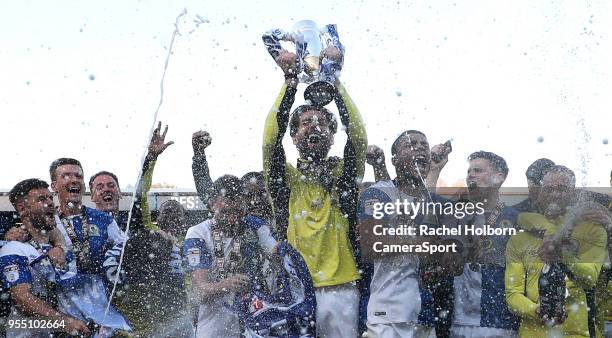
x=318, y=71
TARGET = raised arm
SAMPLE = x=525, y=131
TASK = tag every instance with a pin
x=357, y=140
x=200, y=140
x=354, y=152
x=147, y=179
x=274, y=159
x=140, y=212
x=375, y=157
x=439, y=158
x=141, y=217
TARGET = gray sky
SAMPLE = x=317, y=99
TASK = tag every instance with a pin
x=524, y=79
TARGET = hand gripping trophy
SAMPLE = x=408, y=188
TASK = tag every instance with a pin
x=315, y=68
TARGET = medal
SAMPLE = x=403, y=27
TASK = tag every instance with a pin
x=224, y=268
x=80, y=248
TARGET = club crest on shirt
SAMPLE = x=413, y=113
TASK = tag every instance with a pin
x=11, y=273
x=255, y=305
x=368, y=206
x=193, y=256
x=94, y=230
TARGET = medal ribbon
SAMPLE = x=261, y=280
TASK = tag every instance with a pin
x=223, y=267
x=81, y=248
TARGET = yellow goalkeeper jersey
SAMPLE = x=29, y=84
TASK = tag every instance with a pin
x=523, y=268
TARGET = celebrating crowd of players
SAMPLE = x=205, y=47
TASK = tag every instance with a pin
x=288, y=252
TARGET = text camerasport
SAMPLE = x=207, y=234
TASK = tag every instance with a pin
x=424, y=247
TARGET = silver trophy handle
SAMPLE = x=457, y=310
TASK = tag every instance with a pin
x=310, y=41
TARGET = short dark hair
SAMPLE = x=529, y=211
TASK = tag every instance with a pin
x=170, y=204
x=102, y=173
x=23, y=188
x=536, y=170
x=557, y=168
x=257, y=175
x=402, y=135
x=228, y=186
x=60, y=162
x=495, y=160
x=294, y=120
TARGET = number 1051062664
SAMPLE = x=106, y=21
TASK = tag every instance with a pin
x=35, y=324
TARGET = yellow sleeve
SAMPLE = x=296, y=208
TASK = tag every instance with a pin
x=272, y=133
x=516, y=276
x=147, y=179
x=356, y=130
x=531, y=221
x=587, y=265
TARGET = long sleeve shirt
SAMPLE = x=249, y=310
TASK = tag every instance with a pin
x=523, y=269
x=318, y=221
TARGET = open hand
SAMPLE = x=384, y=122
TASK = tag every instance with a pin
x=157, y=145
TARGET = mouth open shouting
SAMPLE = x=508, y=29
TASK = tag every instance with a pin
x=108, y=197
x=472, y=185
x=314, y=138
x=421, y=163
x=74, y=190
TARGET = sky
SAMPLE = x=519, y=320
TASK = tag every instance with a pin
x=524, y=79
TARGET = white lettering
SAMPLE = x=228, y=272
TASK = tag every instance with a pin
x=424, y=247
x=487, y=230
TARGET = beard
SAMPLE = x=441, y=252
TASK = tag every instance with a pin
x=42, y=222
x=314, y=151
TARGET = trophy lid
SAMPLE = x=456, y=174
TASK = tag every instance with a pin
x=305, y=25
